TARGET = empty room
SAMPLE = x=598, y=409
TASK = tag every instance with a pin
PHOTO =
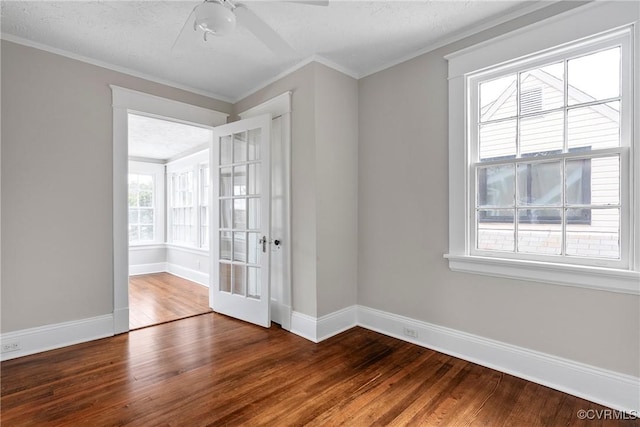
x=320, y=213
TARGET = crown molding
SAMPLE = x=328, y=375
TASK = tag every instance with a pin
x=40, y=46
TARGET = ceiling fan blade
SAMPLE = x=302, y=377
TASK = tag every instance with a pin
x=263, y=31
x=187, y=26
x=311, y=2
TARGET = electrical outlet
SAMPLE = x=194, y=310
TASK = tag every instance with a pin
x=10, y=346
x=410, y=332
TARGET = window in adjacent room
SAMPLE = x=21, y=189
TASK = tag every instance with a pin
x=141, y=208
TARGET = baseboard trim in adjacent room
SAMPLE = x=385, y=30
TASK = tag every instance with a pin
x=138, y=269
x=609, y=388
x=189, y=274
x=49, y=337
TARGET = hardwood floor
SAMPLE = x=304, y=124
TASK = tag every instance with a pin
x=162, y=297
x=213, y=370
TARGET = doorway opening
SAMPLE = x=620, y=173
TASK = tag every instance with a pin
x=168, y=219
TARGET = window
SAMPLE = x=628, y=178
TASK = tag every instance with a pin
x=182, y=208
x=543, y=155
x=141, y=208
x=546, y=152
x=189, y=182
x=203, y=181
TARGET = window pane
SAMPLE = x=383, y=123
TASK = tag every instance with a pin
x=146, y=216
x=540, y=231
x=239, y=247
x=239, y=147
x=578, y=182
x=225, y=277
x=594, y=127
x=226, y=150
x=133, y=216
x=239, y=180
x=253, y=282
x=542, y=134
x=496, y=185
x=239, y=280
x=605, y=180
x=599, y=238
x=225, y=213
x=225, y=245
x=254, y=248
x=254, y=144
x=146, y=232
x=498, y=98
x=498, y=140
x=254, y=178
x=239, y=214
x=542, y=89
x=225, y=182
x=495, y=230
x=593, y=77
x=145, y=182
x=146, y=198
x=254, y=213
x=134, y=236
x=539, y=184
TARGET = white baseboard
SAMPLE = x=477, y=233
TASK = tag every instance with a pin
x=319, y=329
x=336, y=322
x=189, y=274
x=304, y=326
x=158, y=267
x=609, y=388
x=49, y=337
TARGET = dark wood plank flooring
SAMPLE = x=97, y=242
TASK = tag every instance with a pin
x=162, y=297
x=214, y=370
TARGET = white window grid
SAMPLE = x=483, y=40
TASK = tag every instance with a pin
x=141, y=215
x=564, y=53
x=182, y=208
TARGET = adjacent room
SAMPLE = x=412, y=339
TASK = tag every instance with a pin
x=168, y=190
x=320, y=213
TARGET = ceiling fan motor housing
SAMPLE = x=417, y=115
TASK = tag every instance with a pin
x=214, y=18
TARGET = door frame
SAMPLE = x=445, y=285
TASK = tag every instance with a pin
x=125, y=101
x=280, y=106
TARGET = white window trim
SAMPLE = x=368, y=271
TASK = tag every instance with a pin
x=580, y=23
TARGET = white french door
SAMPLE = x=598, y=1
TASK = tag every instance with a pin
x=240, y=218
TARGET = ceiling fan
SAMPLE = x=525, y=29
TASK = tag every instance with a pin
x=219, y=18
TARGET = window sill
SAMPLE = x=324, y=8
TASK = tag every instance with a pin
x=186, y=248
x=603, y=279
x=145, y=246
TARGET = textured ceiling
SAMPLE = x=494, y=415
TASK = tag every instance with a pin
x=159, y=139
x=358, y=37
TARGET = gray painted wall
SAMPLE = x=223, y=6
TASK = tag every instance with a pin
x=57, y=185
x=403, y=233
x=324, y=185
x=337, y=189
